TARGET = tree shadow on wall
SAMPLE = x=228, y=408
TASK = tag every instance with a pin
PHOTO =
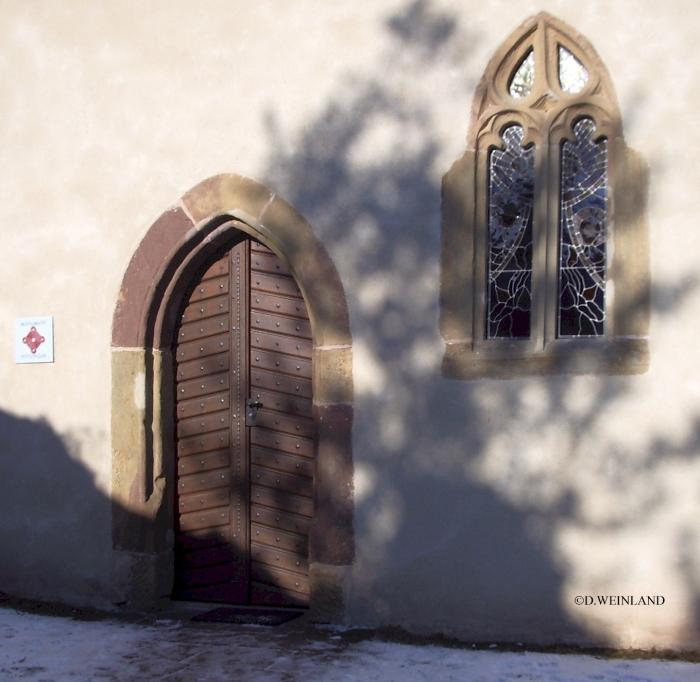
x=54, y=520
x=475, y=501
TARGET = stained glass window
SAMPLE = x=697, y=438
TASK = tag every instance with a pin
x=511, y=183
x=572, y=74
x=524, y=78
x=535, y=242
x=583, y=228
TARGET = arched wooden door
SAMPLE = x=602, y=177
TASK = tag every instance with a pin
x=244, y=434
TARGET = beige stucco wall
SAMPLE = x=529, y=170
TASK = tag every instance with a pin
x=482, y=509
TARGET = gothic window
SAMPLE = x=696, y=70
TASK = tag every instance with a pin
x=545, y=282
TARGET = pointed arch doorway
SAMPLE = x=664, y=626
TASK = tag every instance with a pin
x=178, y=249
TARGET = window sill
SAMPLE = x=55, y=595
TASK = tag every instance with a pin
x=617, y=356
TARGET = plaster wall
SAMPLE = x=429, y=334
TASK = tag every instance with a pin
x=481, y=508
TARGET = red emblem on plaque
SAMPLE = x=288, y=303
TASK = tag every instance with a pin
x=33, y=339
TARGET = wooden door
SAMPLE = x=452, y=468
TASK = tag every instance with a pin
x=244, y=474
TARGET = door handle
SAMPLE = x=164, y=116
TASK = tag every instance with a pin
x=251, y=413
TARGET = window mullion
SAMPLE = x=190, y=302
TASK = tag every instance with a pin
x=551, y=268
x=540, y=284
x=480, y=246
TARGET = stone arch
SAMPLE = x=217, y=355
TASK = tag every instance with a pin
x=219, y=211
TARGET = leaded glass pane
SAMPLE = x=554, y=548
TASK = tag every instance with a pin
x=572, y=74
x=511, y=183
x=524, y=78
x=583, y=228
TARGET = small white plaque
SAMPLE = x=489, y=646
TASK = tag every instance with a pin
x=34, y=339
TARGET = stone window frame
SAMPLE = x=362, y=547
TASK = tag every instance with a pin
x=547, y=116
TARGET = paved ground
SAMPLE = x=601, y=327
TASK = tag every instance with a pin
x=57, y=648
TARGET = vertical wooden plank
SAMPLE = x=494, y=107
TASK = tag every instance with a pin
x=240, y=476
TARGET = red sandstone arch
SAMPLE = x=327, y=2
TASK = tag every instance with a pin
x=221, y=210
